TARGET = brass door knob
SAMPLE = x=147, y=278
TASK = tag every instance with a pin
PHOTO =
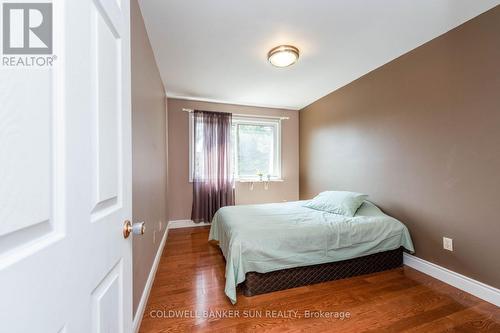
x=136, y=228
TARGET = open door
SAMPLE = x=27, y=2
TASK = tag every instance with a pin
x=65, y=167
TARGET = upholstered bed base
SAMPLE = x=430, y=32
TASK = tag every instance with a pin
x=260, y=283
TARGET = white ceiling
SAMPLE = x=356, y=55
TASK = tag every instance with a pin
x=216, y=50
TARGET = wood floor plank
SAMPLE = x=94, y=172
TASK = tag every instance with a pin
x=188, y=296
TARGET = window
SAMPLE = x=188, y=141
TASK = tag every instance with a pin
x=256, y=148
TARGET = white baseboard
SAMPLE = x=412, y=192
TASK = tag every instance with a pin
x=462, y=282
x=185, y=224
x=149, y=283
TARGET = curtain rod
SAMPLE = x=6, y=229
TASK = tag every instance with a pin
x=248, y=115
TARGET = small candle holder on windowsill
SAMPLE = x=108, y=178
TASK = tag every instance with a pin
x=267, y=181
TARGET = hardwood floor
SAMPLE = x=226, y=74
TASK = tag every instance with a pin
x=190, y=278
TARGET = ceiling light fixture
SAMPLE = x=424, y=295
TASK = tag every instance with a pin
x=283, y=55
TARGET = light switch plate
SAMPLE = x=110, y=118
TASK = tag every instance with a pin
x=448, y=243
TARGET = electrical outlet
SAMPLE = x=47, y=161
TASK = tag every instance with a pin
x=448, y=243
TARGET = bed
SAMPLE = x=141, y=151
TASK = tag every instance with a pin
x=271, y=243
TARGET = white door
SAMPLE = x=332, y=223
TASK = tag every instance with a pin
x=65, y=172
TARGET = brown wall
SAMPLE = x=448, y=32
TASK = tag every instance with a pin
x=149, y=159
x=421, y=136
x=180, y=189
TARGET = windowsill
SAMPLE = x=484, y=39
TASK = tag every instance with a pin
x=249, y=180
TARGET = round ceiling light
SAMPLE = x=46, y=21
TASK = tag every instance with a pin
x=283, y=55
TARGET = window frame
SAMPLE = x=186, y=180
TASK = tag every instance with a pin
x=246, y=120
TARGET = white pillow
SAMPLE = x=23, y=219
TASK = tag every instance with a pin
x=337, y=202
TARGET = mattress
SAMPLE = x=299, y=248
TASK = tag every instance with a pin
x=272, y=237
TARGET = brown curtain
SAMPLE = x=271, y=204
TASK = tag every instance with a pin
x=213, y=181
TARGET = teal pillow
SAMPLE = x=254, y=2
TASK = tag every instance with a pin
x=337, y=202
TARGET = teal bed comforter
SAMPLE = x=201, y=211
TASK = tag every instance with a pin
x=269, y=237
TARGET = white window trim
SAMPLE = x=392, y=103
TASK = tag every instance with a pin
x=244, y=120
x=277, y=145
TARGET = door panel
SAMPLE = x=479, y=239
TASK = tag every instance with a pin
x=26, y=145
x=31, y=160
x=107, y=303
x=106, y=62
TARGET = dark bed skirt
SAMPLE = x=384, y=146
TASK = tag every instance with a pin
x=261, y=283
